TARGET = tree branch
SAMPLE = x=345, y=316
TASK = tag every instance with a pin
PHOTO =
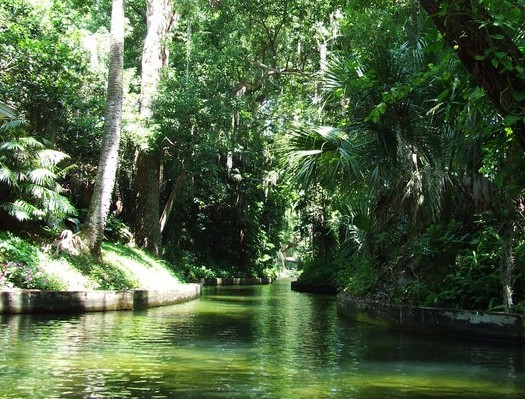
x=487, y=52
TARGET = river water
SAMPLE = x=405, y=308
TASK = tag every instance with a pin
x=245, y=342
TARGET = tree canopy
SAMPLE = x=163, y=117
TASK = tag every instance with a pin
x=378, y=142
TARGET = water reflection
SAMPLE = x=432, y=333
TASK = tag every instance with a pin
x=244, y=342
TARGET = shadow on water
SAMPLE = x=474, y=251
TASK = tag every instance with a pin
x=4, y=300
x=245, y=342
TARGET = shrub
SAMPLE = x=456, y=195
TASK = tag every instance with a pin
x=325, y=272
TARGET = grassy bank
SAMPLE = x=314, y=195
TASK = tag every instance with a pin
x=28, y=264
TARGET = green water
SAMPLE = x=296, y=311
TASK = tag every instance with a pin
x=245, y=342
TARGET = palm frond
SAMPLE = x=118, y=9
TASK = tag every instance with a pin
x=42, y=176
x=357, y=222
x=323, y=154
x=339, y=71
x=418, y=52
x=59, y=204
x=13, y=124
x=30, y=172
x=49, y=157
x=39, y=192
x=65, y=171
x=13, y=147
x=31, y=142
x=23, y=210
x=8, y=176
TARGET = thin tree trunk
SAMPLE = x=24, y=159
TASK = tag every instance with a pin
x=160, y=19
x=176, y=190
x=93, y=229
x=507, y=267
x=486, y=51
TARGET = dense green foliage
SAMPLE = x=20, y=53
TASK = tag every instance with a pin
x=287, y=128
x=218, y=119
x=424, y=206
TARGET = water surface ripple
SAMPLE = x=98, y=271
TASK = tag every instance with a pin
x=245, y=342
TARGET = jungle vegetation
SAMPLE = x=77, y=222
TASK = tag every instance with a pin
x=380, y=143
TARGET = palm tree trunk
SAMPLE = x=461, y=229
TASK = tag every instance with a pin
x=507, y=275
x=93, y=229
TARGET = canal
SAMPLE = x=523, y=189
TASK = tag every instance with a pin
x=245, y=342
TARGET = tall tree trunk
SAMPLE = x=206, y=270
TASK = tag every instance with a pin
x=146, y=200
x=487, y=52
x=160, y=19
x=93, y=229
x=146, y=196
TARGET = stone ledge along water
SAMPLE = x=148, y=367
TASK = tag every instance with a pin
x=475, y=324
x=34, y=301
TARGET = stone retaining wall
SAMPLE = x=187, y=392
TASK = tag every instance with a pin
x=487, y=325
x=234, y=281
x=32, y=301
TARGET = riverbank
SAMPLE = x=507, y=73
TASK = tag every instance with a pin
x=32, y=301
x=31, y=265
x=17, y=301
x=34, y=279
x=465, y=323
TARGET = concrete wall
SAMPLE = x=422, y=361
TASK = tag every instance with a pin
x=32, y=301
x=488, y=325
x=234, y=281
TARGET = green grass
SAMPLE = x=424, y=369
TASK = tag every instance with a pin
x=123, y=268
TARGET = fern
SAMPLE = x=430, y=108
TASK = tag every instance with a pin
x=29, y=173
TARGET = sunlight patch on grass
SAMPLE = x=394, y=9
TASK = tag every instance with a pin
x=149, y=273
x=123, y=268
x=70, y=278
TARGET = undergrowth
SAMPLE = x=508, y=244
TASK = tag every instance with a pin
x=26, y=264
